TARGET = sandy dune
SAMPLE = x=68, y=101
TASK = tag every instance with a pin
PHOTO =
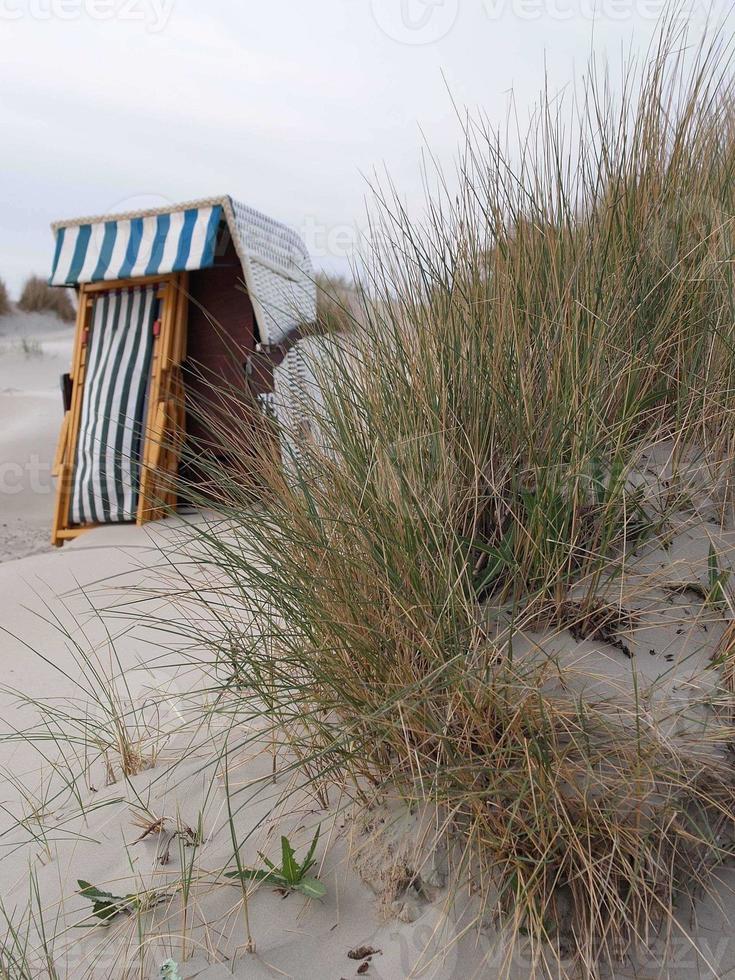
x=45, y=831
x=50, y=836
x=69, y=814
x=85, y=676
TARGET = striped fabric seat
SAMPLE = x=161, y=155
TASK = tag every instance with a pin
x=107, y=467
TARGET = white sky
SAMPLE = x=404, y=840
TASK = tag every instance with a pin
x=286, y=104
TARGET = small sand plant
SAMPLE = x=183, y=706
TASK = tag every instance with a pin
x=291, y=876
x=27, y=951
x=105, y=905
x=31, y=347
x=102, y=721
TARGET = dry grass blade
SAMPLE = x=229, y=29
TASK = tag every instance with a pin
x=725, y=657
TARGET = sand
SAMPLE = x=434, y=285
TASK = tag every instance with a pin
x=35, y=349
x=77, y=656
x=51, y=836
x=43, y=831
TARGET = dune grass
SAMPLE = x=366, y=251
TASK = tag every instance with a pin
x=338, y=302
x=38, y=297
x=478, y=468
x=5, y=305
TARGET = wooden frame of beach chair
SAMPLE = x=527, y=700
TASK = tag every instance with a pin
x=165, y=417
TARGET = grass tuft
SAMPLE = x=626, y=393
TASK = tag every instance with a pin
x=337, y=300
x=38, y=297
x=5, y=304
x=506, y=430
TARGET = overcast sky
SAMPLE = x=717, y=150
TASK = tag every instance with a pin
x=111, y=105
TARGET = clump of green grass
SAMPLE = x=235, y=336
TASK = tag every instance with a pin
x=38, y=297
x=562, y=310
x=5, y=305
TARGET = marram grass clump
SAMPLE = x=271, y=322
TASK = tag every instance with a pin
x=5, y=305
x=38, y=297
x=480, y=465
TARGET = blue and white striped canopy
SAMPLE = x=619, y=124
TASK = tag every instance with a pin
x=127, y=248
x=276, y=267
